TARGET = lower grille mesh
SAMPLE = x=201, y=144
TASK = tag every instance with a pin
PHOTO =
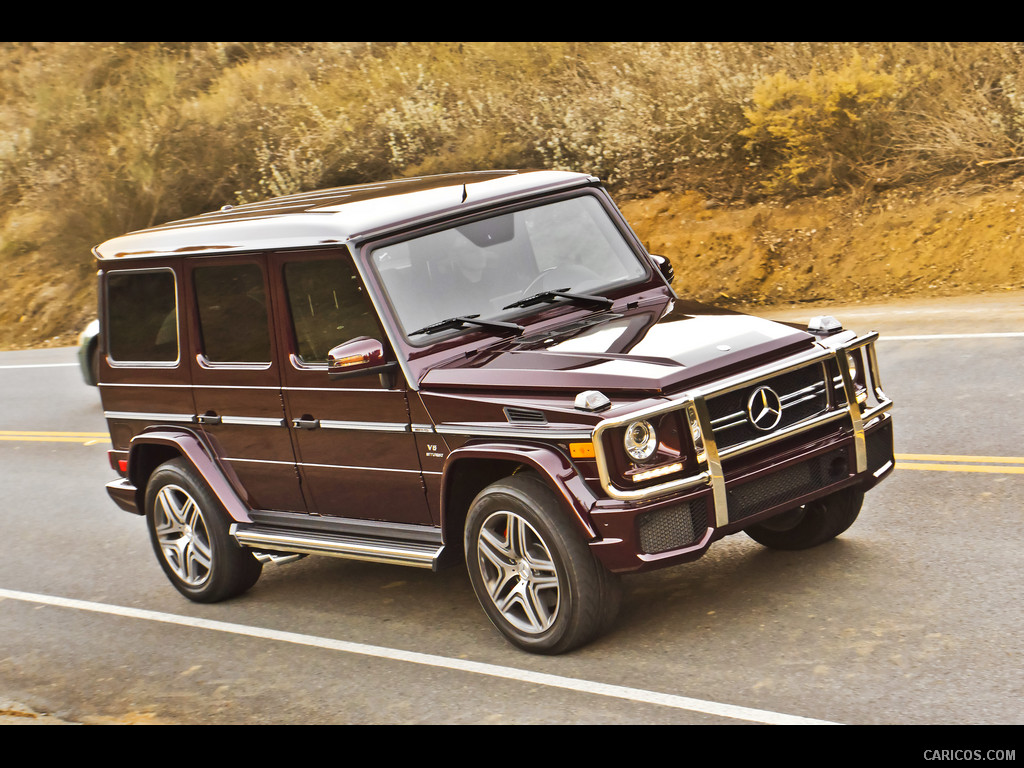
x=672, y=528
x=880, y=448
x=790, y=483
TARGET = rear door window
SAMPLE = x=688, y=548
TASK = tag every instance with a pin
x=233, y=316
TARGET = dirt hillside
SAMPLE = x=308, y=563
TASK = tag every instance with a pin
x=844, y=249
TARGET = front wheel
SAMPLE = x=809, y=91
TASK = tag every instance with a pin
x=812, y=524
x=533, y=573
x=189, y=531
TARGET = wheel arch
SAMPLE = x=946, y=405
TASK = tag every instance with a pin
x=471, y=468
x=148, y=450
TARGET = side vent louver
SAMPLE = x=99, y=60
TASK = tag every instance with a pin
x=525, y=416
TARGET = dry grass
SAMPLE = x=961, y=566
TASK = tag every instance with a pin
x=101, y=138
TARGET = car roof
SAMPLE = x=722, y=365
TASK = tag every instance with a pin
x=335, y=216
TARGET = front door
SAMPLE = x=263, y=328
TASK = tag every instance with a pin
x=356, y=452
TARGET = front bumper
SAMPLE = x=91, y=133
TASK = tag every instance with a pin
x=741, y=483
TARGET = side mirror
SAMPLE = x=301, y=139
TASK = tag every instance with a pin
x=665, y=267
x=358, y=357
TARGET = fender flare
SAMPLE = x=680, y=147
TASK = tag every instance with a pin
x=194, y=451
x=552, y=465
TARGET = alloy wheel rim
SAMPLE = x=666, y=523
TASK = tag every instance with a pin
x=518, y=572
x=183, y=536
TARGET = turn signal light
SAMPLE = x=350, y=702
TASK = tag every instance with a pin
x=581, y=450
x=351, y=360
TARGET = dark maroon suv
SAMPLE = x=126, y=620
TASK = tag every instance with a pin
x=485, y=364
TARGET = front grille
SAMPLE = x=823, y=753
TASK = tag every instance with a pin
x=790, y=483
x=803, y=393
x=838, y=390
x=673, y=527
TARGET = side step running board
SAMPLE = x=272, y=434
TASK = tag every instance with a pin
x=418, y=554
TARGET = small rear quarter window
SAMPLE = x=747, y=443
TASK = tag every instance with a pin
x=142, y=317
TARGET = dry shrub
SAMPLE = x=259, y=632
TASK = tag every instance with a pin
x=824, y=128
x=969, y=111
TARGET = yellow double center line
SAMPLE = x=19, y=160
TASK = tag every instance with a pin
x=1003, y=465
x=83, y=438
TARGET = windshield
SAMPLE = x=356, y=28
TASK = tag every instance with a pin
x=563, y=251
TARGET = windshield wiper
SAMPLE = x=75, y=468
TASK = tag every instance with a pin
x=464, y=320
x=561, y=293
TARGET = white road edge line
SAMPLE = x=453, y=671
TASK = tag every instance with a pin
x=932, y=336
x=42, y=365
x=479, y=668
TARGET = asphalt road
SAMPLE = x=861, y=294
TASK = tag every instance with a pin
x=912, y=617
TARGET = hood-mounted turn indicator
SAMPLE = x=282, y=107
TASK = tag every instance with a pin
x=824, y=324
x=592, y=400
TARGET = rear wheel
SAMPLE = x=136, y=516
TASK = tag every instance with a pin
x=533, y=573
x=189, y=531
x=812, y=524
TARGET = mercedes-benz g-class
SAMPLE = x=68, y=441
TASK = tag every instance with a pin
x=485, y=366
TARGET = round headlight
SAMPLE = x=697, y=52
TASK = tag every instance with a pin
x=640, y=440
x=859, y=387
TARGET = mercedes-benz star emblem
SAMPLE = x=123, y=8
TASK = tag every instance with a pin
x=764, y=409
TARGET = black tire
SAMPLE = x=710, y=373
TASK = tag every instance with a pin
x=188, y=528
x=533, y=573
x=812, y=524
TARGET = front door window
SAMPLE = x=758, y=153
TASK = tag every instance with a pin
x=328, y=306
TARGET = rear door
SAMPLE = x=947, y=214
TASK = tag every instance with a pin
x=236, y=379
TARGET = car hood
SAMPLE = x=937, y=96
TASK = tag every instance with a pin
x=657, y=348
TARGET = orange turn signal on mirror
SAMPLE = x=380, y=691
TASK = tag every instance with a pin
x=581, y=450
x=350, y=360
